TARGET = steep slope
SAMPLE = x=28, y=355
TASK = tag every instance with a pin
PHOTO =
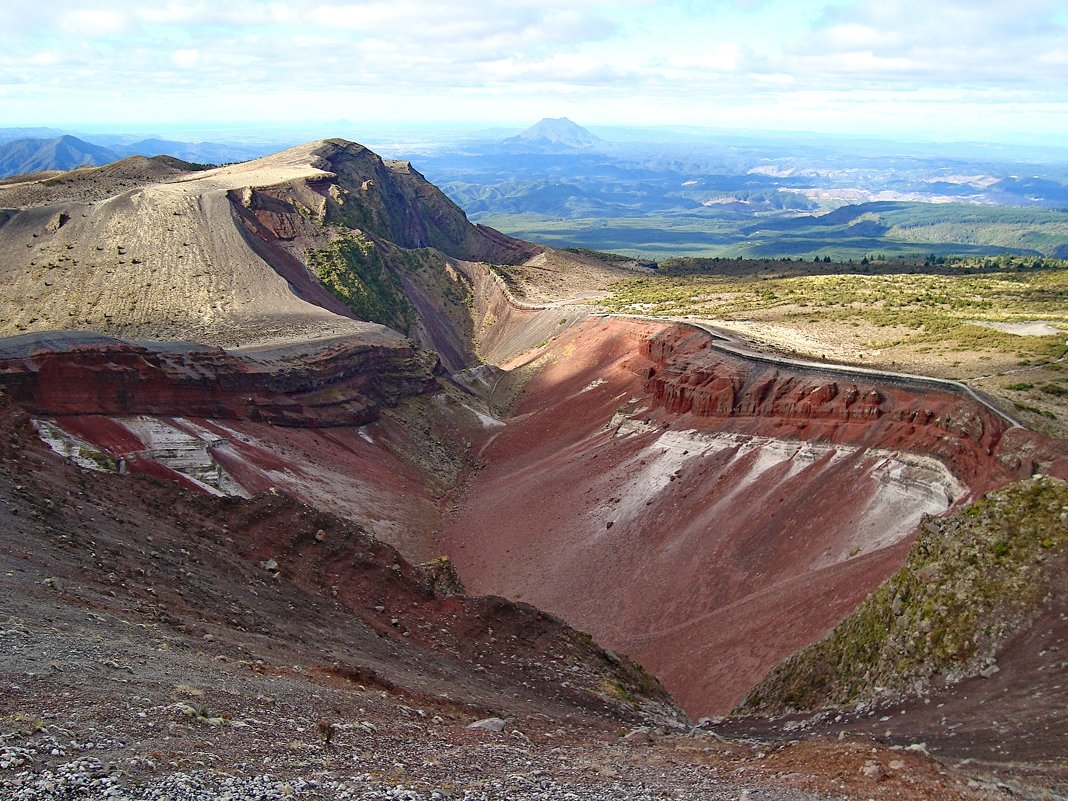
x=190, y=591
x=961, y=649
x=273, y=259
x=971, y=582
x=157, y=639
x=224, y=256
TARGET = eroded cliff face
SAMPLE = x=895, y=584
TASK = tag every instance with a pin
x=706, y=515
x=358, y=429
x=332, y=383
x=689, y=378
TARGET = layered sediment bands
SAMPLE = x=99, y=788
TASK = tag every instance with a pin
x=706, y=515
x=690, y=379
x=338, y=382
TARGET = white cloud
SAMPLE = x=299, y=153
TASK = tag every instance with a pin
x=90, y=23
x=977, y=42
x=46, y=58
x=689, y=60
x=173, y=13
x=725, y=57
x=186, y=59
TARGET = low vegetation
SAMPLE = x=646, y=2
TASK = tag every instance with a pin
x=732, y=229
x=1001, y=322
x=970, y=582
x=354, y=270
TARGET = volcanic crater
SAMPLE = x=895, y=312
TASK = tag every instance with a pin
x=704, y=513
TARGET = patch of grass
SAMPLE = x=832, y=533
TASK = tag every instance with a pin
x=354, y=270
x=101, y=459
x=1023, y=407
x=1056, y=390
x=617, y=691
x=936, y=309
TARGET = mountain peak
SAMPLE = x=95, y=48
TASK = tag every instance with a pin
x=556, y=133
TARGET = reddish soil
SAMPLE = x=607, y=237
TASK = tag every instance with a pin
x=134, y=545
x=710, y=564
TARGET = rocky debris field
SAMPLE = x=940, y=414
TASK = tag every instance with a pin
x=92, y=710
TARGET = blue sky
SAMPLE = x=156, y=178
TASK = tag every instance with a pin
x=937, y=69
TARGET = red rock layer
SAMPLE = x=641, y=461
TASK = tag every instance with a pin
x=339, y=382
x=689, y=378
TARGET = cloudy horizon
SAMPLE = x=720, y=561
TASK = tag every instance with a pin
x=946, y=71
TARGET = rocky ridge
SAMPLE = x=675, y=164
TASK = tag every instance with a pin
x=220, y=256
x=692, y=379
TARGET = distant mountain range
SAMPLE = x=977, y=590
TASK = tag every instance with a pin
x=62, y=153
x=18, y=156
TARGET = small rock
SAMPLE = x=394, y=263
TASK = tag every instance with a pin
x=639, y=736
x=896, y=764
x=320, y=535
x=56, y=222
x=270, y=565
x=489, y=724
x=873, y=770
